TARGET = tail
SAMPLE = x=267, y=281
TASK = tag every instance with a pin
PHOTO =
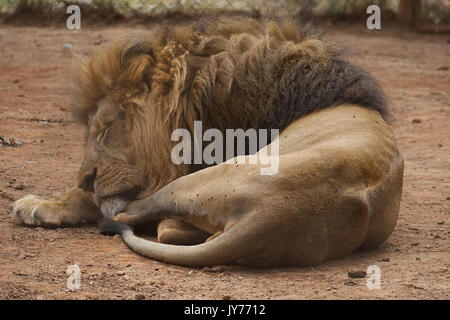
x=240, y=242
x=109, y=227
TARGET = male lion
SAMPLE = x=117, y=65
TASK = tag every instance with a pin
x=340, y=171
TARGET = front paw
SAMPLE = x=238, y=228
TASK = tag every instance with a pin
x=36, y=211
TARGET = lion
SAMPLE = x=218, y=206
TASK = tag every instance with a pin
x=339, y=183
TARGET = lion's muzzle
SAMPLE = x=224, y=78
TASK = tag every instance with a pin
x=114, y=184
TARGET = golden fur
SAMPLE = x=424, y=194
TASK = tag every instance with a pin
x=340, y=178
x=221, y=72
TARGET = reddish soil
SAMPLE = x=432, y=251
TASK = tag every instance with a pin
x=35, y=84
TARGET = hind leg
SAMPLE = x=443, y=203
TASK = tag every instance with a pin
x=200, y=198
x=68, y=208
x=173, y=231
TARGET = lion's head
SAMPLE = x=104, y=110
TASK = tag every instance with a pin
x=109, y=168
x=232, y=73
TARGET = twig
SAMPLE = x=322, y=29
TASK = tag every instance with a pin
x=10, y=142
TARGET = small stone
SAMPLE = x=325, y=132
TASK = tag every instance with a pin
x=384, y=260
x=20, y=186
x=357, y=274
x=350, y=283
x=416, y=121
x=67, y=49
x=12, y=141
x=443, y=68
x=140, y=296
x=226, y=298
x=120, y=273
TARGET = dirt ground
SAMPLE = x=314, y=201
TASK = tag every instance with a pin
x=35, y=77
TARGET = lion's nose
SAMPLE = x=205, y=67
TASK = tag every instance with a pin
x=87, y=181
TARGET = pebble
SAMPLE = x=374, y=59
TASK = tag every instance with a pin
x=67, y=49
x=384, y=260
x=357, y=274
x=20, y=186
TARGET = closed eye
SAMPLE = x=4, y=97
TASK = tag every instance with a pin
x=103, y=134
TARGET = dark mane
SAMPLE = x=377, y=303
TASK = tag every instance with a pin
x=307, y=87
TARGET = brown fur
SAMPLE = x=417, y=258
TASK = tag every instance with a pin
x=340, y=177
x=231, y=73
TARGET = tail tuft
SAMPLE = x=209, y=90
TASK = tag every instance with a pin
x=109, y=227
